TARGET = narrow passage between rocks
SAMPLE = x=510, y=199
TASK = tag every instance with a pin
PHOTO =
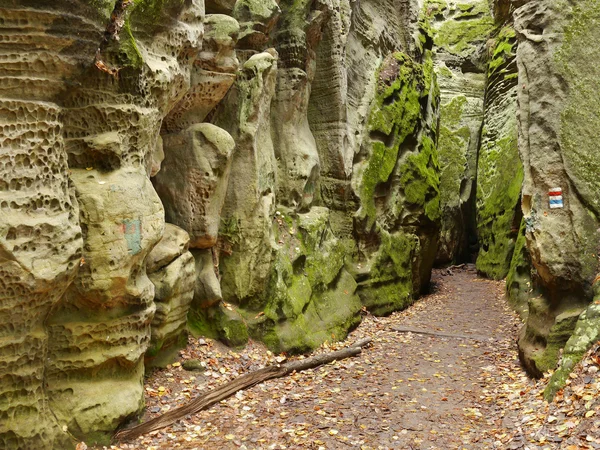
x=407, y=391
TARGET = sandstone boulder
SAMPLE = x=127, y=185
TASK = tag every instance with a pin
x=193, y=180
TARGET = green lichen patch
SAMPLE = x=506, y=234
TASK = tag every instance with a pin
x=458, y=29
x=472, y=10
x=559, y=333
x=503, y=52
x=329, y=316
x=419, y=176
x=500, y=177
x=223, y=322
x=309, y=297
x=519, y=283
x=390, y=285
x=577, y=60
x=394, y=117
x=453, y=145
x=460, y=37
x=149, y=15
x=586, y=334
x=141, y=18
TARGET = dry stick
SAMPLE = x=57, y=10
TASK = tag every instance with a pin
x=243, y=382
x=442, y=334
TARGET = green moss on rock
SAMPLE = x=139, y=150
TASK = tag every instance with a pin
x=578, y=63
x=500, y=177
x=329, y=316
x=452, y=147
x=309, y=297
x=419, y=176
x=467, y=25
x=518, y=281
x=390, y=285
x=394, y=116
x=504, y=50
x=586, y=334
x=223, y=322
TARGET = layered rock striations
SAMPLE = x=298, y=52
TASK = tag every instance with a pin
x=499, y=168
x=268, y=169
x=558, y=111
x=460, y=32
x=81, y=115
x=321, y=192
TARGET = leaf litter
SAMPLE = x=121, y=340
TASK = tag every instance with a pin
x=407, y=391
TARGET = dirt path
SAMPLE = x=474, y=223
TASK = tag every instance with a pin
x=408, y=391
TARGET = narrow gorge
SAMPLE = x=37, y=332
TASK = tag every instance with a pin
x=273, y=171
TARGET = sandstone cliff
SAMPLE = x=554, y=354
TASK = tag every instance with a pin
x=266, y=169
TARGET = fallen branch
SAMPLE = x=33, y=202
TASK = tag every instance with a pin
x=243, y=382
x=472, y=337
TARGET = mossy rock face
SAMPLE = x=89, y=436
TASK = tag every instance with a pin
x=458, y=155
x=498, y=206
x=389, y=286
x=459, y=29
x=585, y=335
x=499, y=169
x=545, y=333
x=394, y=116
x=519, y=283
x=563, y=241
x=329, y=316
x=458, y=32
x=398, y=221
x=577, y=61
x=141, y=19
x=309, y=297
x=221, y=322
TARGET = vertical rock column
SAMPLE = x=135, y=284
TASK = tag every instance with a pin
x=459, y=33
x=112, y=115
x=397, y=181
x=328, y=118
x=40, y=236
x=250, y=202
x=558, y=114
x=193, y=182
x=296, y=37
x=499, y=171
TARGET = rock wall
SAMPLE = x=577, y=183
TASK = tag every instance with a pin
x=81, y=114
x=266, y=169
x=558, y=113
x=333, y=199
x=269, y=168
x=499, y=169
x=460, y=33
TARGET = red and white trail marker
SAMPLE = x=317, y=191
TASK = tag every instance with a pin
x=556, y=198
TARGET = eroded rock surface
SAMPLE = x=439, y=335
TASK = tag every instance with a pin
x=459, y=33
x=499, y=169
x=172, y=271
x=556, y=112
x=79, y=144
x=308, y=158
